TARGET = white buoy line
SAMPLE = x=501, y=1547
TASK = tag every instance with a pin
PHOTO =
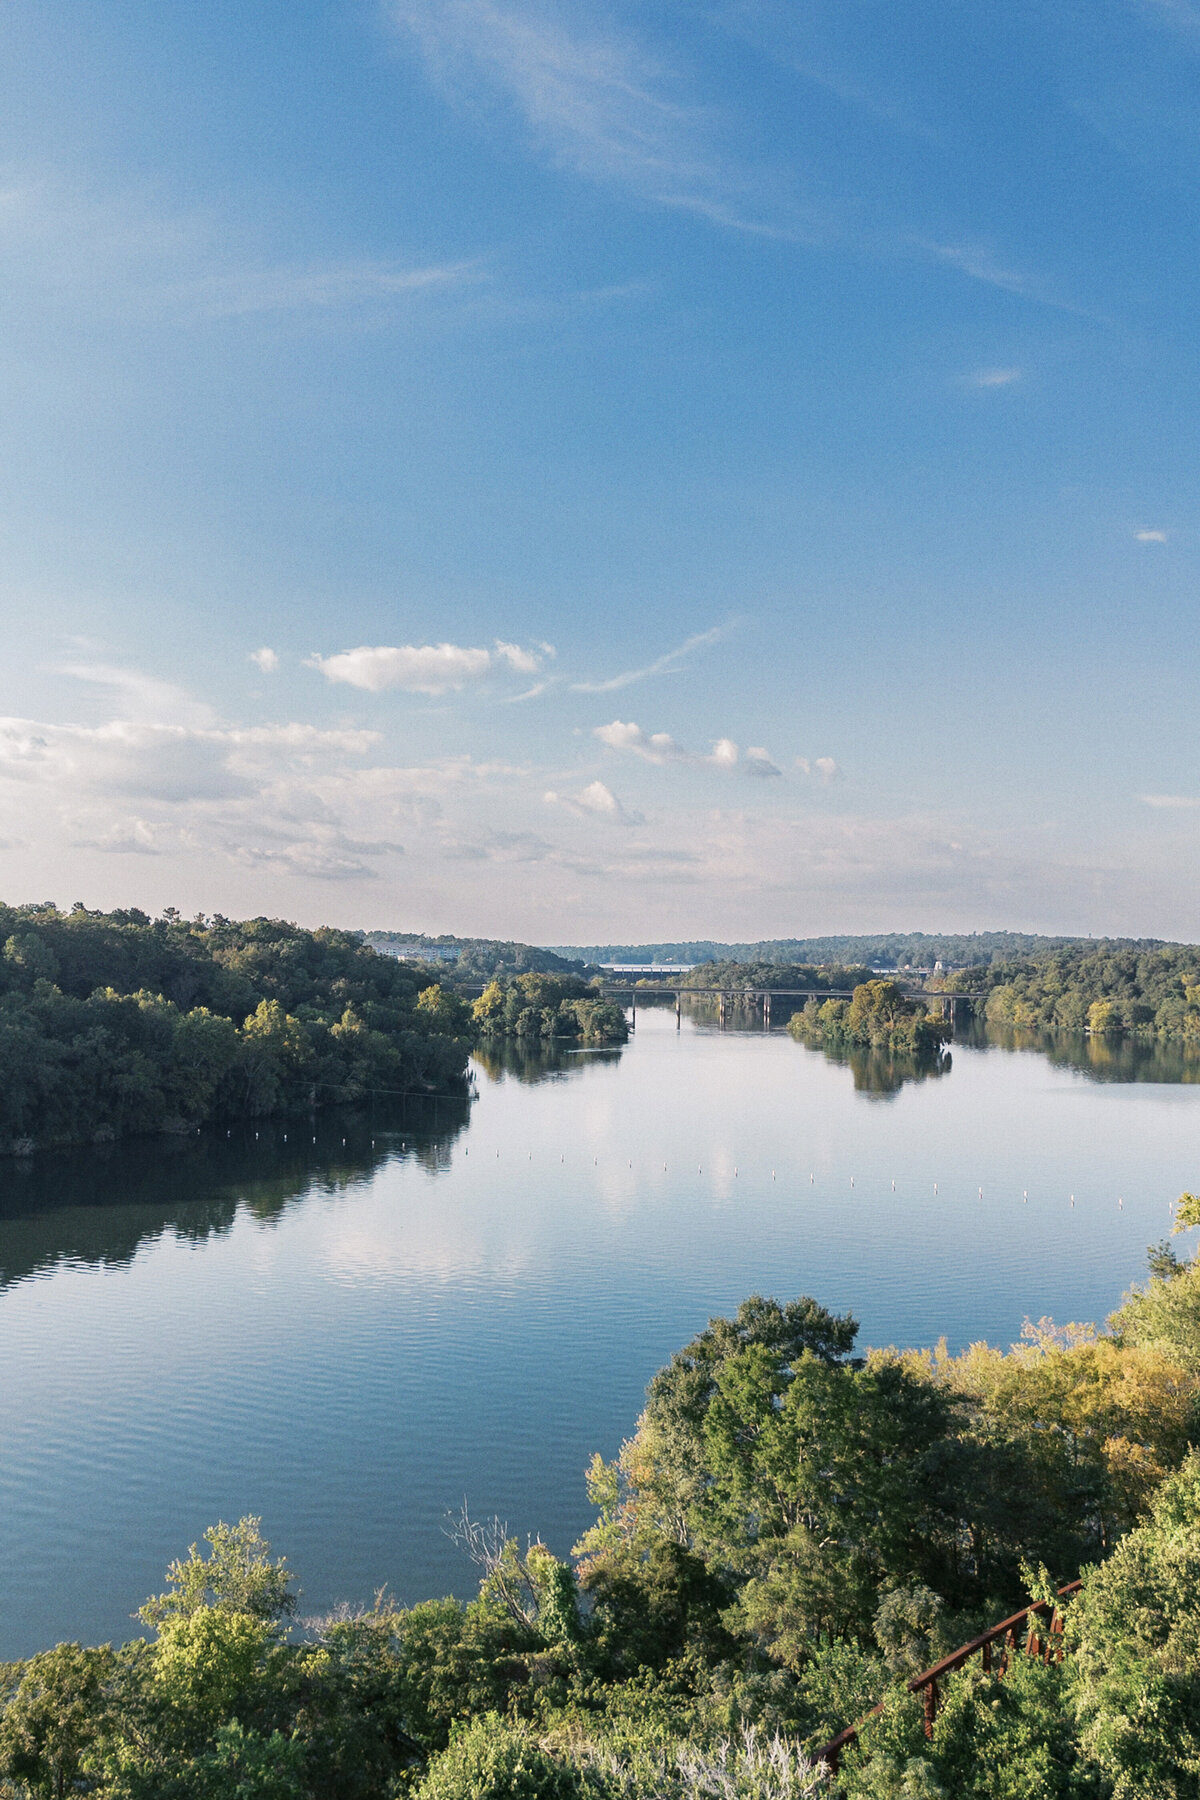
x=853, y=1179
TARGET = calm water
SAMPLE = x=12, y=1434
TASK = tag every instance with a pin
x=348, y=1338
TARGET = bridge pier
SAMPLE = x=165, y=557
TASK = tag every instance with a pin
x=677, y=1018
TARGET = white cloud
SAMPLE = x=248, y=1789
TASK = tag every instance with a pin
x=126, y=837
x=524, y=662
x=266, y=659
x=1169, y=800
x=662, y=665
x=422, y=668
x=1150, y=537
x=994, y=378
x=654, y=747
x=660, y=747
x=758, y=762
x=823, y=766
x=598, y=801
x=596, y=101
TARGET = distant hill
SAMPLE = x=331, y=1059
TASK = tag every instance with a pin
x=477, y=959
x=892, y=949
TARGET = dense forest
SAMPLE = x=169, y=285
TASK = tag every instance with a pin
x=113, y=1023
x=477, y=959
x=548, y=1006
x=877, y=1016
x=886, y=950
x=752, y=977
x=790, y=1534
x=1109, y=989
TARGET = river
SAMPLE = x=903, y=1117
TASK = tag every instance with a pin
x=350, y=1327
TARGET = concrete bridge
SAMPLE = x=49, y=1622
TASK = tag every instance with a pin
x=950, y=1005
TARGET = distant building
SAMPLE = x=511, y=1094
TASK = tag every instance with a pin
x=650, y=968
x=446, y=953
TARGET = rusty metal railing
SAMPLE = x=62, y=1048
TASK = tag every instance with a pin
x=1005, y=1634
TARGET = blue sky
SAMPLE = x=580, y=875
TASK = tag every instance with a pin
x=575, y=473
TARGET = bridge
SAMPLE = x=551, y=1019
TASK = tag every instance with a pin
x=759, y=997
x=729, y=997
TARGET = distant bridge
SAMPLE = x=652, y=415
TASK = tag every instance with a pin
x=729, y=997
x=759, y=997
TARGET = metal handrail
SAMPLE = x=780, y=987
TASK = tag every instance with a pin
x=926, y=1683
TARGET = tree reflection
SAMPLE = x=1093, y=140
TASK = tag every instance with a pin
x=1172, y=1061
x=531, y=1060
x=880, y=1074
x=99, y=1206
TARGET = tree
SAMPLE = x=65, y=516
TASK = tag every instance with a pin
x=237, y=1575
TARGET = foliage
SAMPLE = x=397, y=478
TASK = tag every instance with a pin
x=1108, y=989
x=113, y=1023
x=791, y=1527
x=878, y=1015
x=1135, y=1630
x=476, y=959
x=886, y=950
x=736, y=977
x=536, y=1006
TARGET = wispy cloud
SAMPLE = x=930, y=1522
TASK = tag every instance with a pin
x=265, y=659
x=1147, y=536
x=1170, y=800
x=323, y=286
x=124, y=252
x=424, y=668
x=978, y=263
x=597, y=101
x=823, y=767
x=993, y=378
x=670, y=664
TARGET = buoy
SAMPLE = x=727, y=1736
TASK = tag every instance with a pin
x=1025, y=1193
x=735, y=1171
x=893, y=1187
x=772, y=1174
x=981, y=1193
x=935, y=1187
x=811, y=1179
x=852, y=1181
x=1120, y=1203
x=1072, y=1199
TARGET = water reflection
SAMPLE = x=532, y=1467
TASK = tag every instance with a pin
x=99, y=1206
x=1109, y=1059
x=532, y=1060
x=880, y=1074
